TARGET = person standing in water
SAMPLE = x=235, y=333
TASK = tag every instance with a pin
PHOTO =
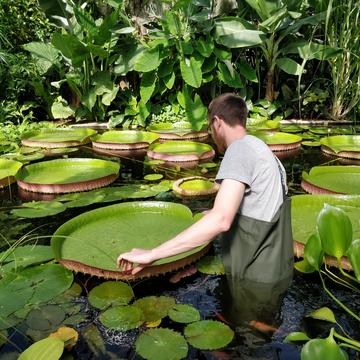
x=251, y=210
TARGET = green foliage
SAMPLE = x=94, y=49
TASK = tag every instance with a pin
x=183, y=313
x=46, y=318
x=122, y=318
x=155, y=307
x=46, y=349
x=211, y=265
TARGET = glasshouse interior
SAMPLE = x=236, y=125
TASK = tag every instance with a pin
x=179, y=179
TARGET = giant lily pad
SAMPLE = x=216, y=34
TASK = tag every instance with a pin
x=84, y=245
x=208, y=334
x=347, y=146
x=56, y=138
x=125, y=139
x=332, y=180
x=8, y=169
x=177, y=131
x=195, y=186
x=182, y=153
x=306, y=208
x=279, y=141
x=161, y=344
x=67, y=175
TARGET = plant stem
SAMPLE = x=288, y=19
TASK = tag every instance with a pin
x=345, y=273
x=338, y=301
x=348, y=341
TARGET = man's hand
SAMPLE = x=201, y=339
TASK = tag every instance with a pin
x=141, y=257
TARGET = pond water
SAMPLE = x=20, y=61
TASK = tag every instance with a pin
x=260, y=317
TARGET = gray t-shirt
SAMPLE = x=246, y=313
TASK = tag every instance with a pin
x=250, y=161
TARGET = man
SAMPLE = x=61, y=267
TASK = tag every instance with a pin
x=249, y=210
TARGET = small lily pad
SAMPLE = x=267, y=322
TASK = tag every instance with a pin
x=110, y=293
x=211, y=265
x=153, y=177
x=183, y=313
x=154, y=162
x=46, y=318
x=311, y=143
x=208, y=334
x=161, y=344
x=207, y=165
x=122, y=318
x=296, y=336
x=155, y=307
x=323, y=313
x=37, y=209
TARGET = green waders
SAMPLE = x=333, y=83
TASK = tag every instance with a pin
x=259, y=250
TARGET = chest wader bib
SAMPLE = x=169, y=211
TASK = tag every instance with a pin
x=260, y=250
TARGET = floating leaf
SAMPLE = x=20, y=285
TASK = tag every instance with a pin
x=211, y=265
x=323, y=313
x=296, y=336
x=155, y=307
x=208, y=165
x=122, y=318
x=37, y=209
x=110, y=293
x=153, y=324
x=311, y=143
x=66, y=334
x=335, y=230
x=46, y=349
x=208, y=334
x=183, y=313
x=161, y=344
x=46, y=318
x=354, y=257
x=153, y=177
x=23, y=256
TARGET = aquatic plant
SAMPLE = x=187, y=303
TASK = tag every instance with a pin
x=347, y=146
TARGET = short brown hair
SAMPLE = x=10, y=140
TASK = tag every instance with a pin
x=229, y=107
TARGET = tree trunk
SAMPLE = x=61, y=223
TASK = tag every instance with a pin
x=269, y=95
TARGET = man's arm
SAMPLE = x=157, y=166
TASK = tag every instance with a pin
x=217, y=220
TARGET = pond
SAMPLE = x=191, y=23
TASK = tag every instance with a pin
x=260, y=318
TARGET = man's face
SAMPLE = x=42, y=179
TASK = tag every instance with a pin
x=219, y=141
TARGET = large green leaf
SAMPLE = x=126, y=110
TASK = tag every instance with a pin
x=44, y=54
x=148, y=60
x=71, y=47
x=236, y=33
x=128, y=225
x=9, y=168
x=196, y=112
x=161, y=344
x=335, y=230
x=47, y=349
x=305, y=210
x=313, y=252
x=67, y=171
x=60, y=109
x=247, y=71
x=354, y=257
x=231, y=79
x=289, y=66
x=23, y=256
x=129, y=54
x=110, y=293
x=208, y=334
x=338, y=179
x=147, y=86
x=191, y=72
x=122, y=318
x=155, y=307
x=341, y=143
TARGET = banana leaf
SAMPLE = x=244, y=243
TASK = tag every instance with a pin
x=335, y=179
x=97, y=237
x=305, y=210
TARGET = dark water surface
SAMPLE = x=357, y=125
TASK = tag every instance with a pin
x=261, y=317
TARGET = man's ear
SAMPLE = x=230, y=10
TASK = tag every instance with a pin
x=217, y=121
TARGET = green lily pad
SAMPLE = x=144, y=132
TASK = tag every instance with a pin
x=207, y=165
x=319, y=130
x=183, y=313
x=122, y=318
x=24, y=158
x=110, y=293
x=46, y=318
x=57, y=137
x=8, y=168
x=323, y=313
x=67, y=171
x=23, y=256
x=161, y=344
x=180, y=147
x=208, y=334
x=87, y=198
x=296, y=336
x=338, y=179
x=197, y=184
x=211, y=265
x=311, y=143
x=46, y=349
x=59, y=151
x=154, y=162
x=291, y=128
x=275, y=138
x=306, y=208
x=36, y=209
x=170, y=128
x=127, y=225
x=155, y=307
x=125, y=137
x=153, y=177
x=339, y=143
